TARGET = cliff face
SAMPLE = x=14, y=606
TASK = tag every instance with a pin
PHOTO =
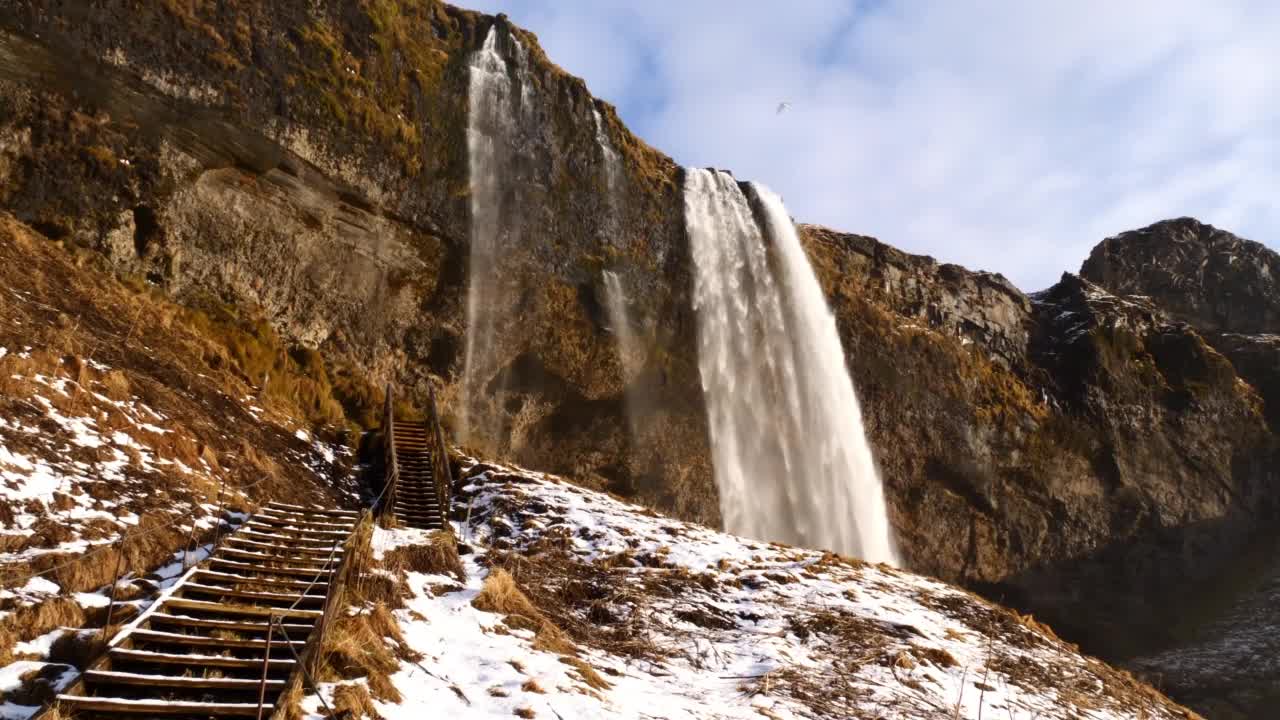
x=1078, y=453
x=1208, y=277
x=1224, y=286
x=309, y=160
x=1075, y=453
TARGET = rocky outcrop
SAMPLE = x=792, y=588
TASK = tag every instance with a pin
x=1063, y=452
x=1212, y=279
x=971, y=306
x=1224, y=286
x=1081, y=454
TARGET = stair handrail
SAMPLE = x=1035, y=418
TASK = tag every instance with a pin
x=443, y=475
x=392, y=465
x=308, y=661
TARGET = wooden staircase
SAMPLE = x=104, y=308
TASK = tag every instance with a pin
x=417, y=488
x=416, y=501
x=206, y=649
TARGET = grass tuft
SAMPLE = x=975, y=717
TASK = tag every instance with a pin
x=354, y=701
x=439, y=556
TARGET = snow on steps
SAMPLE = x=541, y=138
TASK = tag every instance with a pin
x=201, y=649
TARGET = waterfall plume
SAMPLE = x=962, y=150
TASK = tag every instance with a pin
x=791, y=458
x=625, y=341
x=494, y=106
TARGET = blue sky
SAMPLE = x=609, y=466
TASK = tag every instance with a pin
x=1003, y=135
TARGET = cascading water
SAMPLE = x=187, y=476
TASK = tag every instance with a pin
x=791, y=458
x=494, y=106
x=623, y=332
x=608, y=155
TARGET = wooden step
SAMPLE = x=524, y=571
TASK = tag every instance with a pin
x=163, y=638
x=222, y=661
x=202, y=589
x=110, y=677
x=153, y=708
x=241, y=610
x=302, y=510
x=304, y=561
x=283, y=570
x=233, y=625
x=289, y=541
x=418, y=506
x=229, y=578
x=417, y=510
x=315, y=534
x=422, y=524
x=318, y=571
x=267, y=516
x=268, y=548
x=416, y=502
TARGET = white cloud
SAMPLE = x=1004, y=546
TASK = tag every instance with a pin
x=1000, y=134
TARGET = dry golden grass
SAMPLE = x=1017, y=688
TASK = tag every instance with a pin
x=525, y=712
x=33, y=621
x=289, y=703
x=353, y=650
x=147, y=545
x=439, y=556
x=55, y=712
x=596, y=604
x=354, y=701
x=500, y=594
x=587, y=673
x=360, y=645
x=381, y=589
x=532, y=686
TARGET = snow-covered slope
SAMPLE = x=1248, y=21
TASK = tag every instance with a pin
x=672, y=620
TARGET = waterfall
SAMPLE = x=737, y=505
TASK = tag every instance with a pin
x=493, y=107
x=620, y=321
x=791, y=459
x=612, y=167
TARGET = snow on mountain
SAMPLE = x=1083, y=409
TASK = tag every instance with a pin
x=665, y=619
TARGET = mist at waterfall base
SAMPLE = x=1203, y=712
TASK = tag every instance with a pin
x=791, y=459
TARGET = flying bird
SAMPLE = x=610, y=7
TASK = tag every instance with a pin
x=783, y=107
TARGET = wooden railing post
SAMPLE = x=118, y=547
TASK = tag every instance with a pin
x=444, y=473
x=115, y=583
x=392, y=475
x=266, y=664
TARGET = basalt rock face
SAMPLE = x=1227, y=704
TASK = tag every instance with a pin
x=1225, y=287
x=1078, y=453
x=1208, y=277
